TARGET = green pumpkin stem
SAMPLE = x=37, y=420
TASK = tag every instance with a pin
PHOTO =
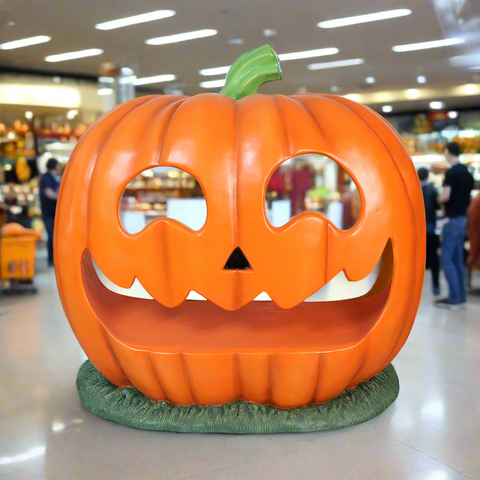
x=252, y=69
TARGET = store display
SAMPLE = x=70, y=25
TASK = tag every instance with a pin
x=426, y=134
x=149, y=194
x=17, y=257
x=284, y=353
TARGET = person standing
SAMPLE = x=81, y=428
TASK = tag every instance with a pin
x=455, y=196
x=48, y=200
x=433, y=242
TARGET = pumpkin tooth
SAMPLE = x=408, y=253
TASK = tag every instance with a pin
x=340, y=288
x=137, y=290
x=193, y=295
x=263, y=297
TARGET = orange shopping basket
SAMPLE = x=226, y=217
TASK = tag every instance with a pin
x=18, y=247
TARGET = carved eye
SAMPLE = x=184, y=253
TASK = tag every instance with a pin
x=163, y=192
x=313, y=183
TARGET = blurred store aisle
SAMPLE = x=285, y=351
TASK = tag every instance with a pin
x=431, y=431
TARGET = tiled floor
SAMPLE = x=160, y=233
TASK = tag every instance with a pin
x=431, y=432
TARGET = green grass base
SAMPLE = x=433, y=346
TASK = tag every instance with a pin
x=128, y=406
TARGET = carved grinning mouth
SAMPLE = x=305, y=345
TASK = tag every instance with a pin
x=338, y=316
x=339, y=288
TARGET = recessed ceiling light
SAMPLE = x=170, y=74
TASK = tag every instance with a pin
x=370, y=80
x=104, y=91
x=319, y=52
x=284, y=57
x=213, y=83
x=269, y=32
x=335, y=89
x=142, y=18
x=214, y=71
x=62, y=57
x=336, y=64
x=452, y=114
x=236, y=41
x=370, y=17
x=387, y=109
x=421, y=79
x=25, y=42
x=154, y=79
x=410, y=47
x=28, y=115
x=11, y=24
x=412, y=93
x=437, y=105
x=181, y=37
x=71, y=114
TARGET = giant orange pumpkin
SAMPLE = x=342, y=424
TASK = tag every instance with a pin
x=285, y=352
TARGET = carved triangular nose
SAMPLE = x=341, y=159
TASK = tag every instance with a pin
x=237, y=261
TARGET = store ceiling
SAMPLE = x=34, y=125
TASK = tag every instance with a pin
x=71, y=26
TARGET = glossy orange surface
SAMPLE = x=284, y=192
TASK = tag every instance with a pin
x=285, y=353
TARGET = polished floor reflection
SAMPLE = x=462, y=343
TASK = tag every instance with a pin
x=431, y=432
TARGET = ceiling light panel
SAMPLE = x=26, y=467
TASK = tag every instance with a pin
x=410, y=47
x=336, y=64
x=62, y=57
x=320, y=52
x=214, y=71
x=213, y=83
x=136, y=19
x=181, y=37
x=154, y=79
x=25, y=42
x=370, y=17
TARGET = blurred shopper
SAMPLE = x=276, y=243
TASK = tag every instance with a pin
x=474, y=234
x=455, y=196
x=48, y=199
x=433, y=241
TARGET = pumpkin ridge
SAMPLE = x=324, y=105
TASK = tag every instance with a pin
x=174, y=107
x=186, y=375
x=156, y=130
x=297, y=98
x=285, y=127
x=154, y=373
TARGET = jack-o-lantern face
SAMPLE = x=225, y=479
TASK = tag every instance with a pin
x=286, y=352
